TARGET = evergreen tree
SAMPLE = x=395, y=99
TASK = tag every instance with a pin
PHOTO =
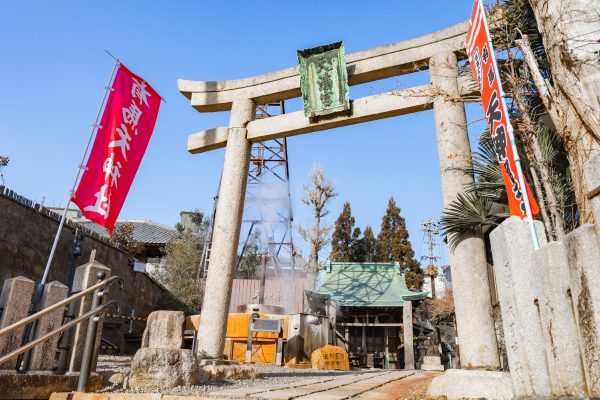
x=366, y=247
x=345, y=236
x=369, y=244
x=393, y=246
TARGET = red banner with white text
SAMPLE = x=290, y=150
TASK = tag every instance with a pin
x=485, y=71
x=121, y=140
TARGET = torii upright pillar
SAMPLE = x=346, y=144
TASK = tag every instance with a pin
x=470, y=283
x=226, y=234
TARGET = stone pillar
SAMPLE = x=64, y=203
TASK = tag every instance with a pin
x=558, y=321
x=471, y=288
x=519, y=293
x=86, y=276
x=226, y=234
x=15, y=301
x=42, y=355
x=583, y=255
x=409, y=350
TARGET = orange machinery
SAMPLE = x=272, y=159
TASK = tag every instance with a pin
x=264, y=344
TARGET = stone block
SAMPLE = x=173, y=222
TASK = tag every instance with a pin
x=42, y=356
x=432, y=367
x=432, y=360
x=15, y=301
x=432, y=363
x=41, y=384
x=215, y=372
x=163, y=368
x=583, y=255
x=86, y=276
x=558, y=321
x=164, y=330
x=518, y=290
x=472, y=384
x=331, y=358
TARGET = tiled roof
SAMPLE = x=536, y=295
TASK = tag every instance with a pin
x=367, y=285
x=146, y=232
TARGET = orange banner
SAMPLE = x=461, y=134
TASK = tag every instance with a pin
x=485, y=70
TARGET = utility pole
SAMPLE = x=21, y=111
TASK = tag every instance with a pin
x=431, y=227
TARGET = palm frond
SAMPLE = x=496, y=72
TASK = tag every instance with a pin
x=467, y=214
x=549, y=143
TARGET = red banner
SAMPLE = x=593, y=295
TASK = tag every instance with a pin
x=121, y=140
x=485, y=70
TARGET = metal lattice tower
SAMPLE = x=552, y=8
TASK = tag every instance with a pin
x=268, y=207
x=431, y=228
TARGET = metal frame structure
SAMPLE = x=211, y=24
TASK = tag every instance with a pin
x=268, y=210
x=256, y=325
x=431, y=228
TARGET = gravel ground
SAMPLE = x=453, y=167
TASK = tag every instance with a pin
x=270, y=375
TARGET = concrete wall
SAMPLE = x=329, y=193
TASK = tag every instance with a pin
x=26, y=234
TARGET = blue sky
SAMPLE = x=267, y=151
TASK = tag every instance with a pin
x=54, y=69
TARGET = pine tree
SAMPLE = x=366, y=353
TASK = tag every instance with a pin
x=345, y=236
x=366, y=247
x=369, y=244
x=393, y=246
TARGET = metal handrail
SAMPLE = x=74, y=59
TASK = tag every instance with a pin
x=60, y=304
x=15, y=353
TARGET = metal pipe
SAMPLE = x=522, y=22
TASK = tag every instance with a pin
x=60, y=304
x=65, y=343
x=90, y=340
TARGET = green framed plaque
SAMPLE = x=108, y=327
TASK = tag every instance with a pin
x=324, y=80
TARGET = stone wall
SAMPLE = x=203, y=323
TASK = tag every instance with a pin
x=27, y=231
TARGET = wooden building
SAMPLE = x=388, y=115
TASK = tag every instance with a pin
x=370, y=298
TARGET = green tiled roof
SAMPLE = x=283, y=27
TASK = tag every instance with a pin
x=367, y=285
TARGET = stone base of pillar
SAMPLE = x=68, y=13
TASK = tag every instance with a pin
x=472, y=384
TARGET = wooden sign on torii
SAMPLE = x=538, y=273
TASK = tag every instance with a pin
x=446, y=94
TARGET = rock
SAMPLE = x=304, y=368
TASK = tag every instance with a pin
x=458, y=384
x=217, y=371
x=164, y=330
x=117, y=378
x=163, y=368
x=330, y=357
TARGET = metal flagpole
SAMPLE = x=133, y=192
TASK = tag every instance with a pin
x=513, y=143
x=81, y=166
x=23, y=361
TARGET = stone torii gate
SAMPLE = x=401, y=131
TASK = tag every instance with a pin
x=446, y=94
